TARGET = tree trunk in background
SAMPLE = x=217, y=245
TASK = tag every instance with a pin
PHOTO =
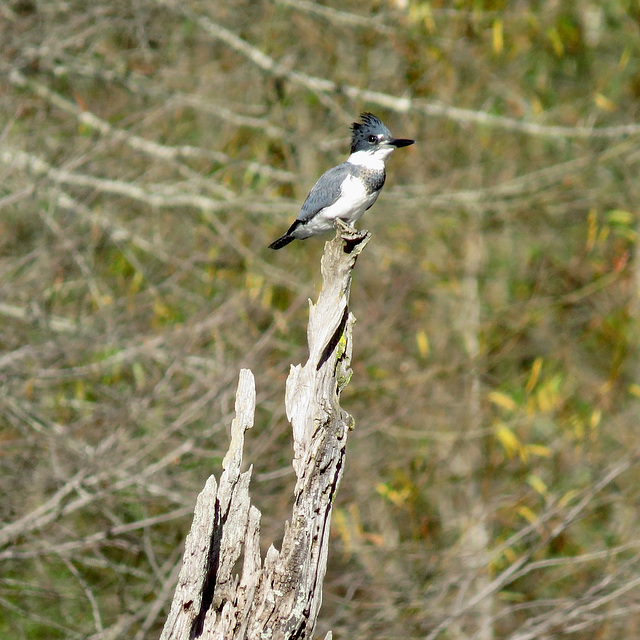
x=281, y=598
x=475, y=531
x=467, y=506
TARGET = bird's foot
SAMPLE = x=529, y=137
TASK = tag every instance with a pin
x=349, y=234
x=343, y=226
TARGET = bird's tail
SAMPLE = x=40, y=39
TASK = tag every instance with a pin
x=282, y=241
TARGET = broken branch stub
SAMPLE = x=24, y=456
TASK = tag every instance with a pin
x=280, y=598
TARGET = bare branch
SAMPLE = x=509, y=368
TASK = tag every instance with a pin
x=403, y=104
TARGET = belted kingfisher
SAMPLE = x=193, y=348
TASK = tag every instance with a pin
x=348, y=190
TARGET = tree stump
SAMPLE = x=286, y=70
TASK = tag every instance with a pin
x=279, y=598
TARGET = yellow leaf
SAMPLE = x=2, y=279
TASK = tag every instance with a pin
x=537, y=484
x=498, y=35
x=429, y=22
x=620, y=216
x=592, y=229
x=545, y=402
x=548, y=397
x=567, y=498
x=375, y=539
x=595, y=418
x=528, y=515
x=267, y=298
x=80, y=390
x=136, y=281
x=28, y=388
x=340, y=526
x=531, y=406
x=421, y=12
x=556, y=41
x=502, y=400
x=603, y=235
x=604, y=103
x=253, y=285
x=398, y=498
x=634, y=390
x=537, y=106
x=161, y=310
x=539, y=450
x=624, y=59
x=354, y=512
x=423, y=343
x=382, y=489
x=535, y=374
x=508, y=440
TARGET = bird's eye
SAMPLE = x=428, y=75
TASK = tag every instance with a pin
x=373, y=138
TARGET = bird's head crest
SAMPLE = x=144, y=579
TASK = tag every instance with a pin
x=363, y=133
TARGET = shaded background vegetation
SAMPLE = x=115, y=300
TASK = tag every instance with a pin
x=150, y=150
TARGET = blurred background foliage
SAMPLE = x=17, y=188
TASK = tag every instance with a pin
x=149, y=152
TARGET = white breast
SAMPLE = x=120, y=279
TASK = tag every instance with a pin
x=371, y=159
x=349, y=207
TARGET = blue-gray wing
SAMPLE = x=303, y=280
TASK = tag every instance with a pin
x=324, y=192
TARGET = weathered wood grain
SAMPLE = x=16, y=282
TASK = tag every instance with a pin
x=279, y=598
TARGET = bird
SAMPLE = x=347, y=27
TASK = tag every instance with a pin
x=345, y=192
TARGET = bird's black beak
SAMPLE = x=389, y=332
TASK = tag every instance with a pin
x=400, y=142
